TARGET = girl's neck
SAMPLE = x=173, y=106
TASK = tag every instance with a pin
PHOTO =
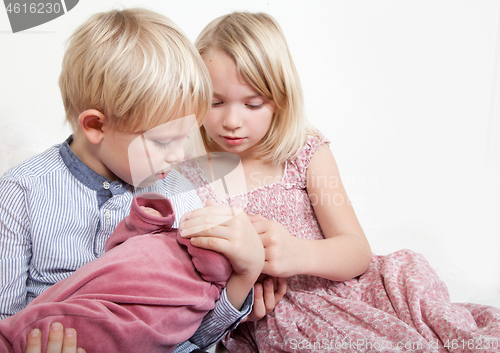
x=259, y=173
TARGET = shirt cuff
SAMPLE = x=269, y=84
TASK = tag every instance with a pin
x=222, y=319
x=185, y=347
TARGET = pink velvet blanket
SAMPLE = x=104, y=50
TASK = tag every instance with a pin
x=398, y=305
x=147, y=293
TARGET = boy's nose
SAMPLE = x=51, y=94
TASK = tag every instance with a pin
x=175, y=154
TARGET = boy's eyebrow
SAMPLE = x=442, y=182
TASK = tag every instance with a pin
x=166, y=135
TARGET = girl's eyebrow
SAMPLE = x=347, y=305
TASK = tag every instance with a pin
x=218, y=95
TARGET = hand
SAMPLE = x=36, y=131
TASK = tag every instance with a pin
x=151, y=211
x=59, y=340
x=230, y=232
x=283, y=250
x=266, y=295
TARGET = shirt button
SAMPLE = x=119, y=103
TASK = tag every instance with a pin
x=107, y=215
x=105, y=185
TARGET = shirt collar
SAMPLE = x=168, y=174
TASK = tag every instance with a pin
x=104, y=187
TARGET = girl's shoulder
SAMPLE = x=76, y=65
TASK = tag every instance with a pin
x=296, y=168
x=312, y=144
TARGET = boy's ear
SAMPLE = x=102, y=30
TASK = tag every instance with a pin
x=91, y=122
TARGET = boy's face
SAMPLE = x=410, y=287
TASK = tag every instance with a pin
x=142, y=158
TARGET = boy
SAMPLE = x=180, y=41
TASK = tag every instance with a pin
x=124, y=73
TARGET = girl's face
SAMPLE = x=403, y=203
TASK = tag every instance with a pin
x=240, y=117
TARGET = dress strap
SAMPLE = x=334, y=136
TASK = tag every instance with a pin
x=193, y=173
x=296, y=169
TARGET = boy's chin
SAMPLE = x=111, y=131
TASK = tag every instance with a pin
x=145, y=183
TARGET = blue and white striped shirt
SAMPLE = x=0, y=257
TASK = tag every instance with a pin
x=55, y=216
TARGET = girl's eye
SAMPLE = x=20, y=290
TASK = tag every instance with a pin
x=216, y=104
x=254, y=106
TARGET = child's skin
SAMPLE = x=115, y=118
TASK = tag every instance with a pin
x=93, y=143
x=107, y=111
x=238, y=120
x=60, y=340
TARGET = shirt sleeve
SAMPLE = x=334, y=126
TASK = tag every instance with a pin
x=222, y=319
x=15, y=247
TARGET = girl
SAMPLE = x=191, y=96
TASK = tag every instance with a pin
x=335, y=301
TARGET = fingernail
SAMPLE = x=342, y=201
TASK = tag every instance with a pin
x=268, y=283
x=69, y=332
x=35, y=333
x=56, y=326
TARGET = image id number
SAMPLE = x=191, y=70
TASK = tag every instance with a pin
x=34, y=8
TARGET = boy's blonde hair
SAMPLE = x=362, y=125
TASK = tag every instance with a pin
x=258, y=46
x=135, y=67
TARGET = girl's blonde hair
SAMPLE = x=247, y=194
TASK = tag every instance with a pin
x=137, y=68
x=258, y=46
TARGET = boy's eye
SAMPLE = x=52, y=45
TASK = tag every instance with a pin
x=161, y=144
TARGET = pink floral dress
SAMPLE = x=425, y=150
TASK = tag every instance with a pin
x=399, y=304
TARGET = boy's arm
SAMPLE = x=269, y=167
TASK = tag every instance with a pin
x=222, y=319
x=15, y=247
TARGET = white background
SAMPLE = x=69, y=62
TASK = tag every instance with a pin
x=407, y=91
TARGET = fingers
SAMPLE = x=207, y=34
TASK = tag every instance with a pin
x=266, y=296
x=263, y=225
x=34, y=342
x=59, y=340
x=56, y=338
x=256, y=218
x=258, y=309
x=211, y=203
x=151, y=211
x=281, y=290
x=274, y=290
x=202, y=225
x=211, y=210
x=201, y=222
x=212, y=243
x=269, y=299
x=69, y=344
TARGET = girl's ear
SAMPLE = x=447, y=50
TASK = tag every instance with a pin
x=91, y=122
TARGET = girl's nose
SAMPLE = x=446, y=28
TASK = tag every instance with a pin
x=232, y=120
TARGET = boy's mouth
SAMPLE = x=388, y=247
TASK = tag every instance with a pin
x=163, y=174
x=233, y=140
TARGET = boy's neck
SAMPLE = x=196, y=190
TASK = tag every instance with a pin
x=86, y=152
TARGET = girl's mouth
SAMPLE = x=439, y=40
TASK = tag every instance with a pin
x=234, y=141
